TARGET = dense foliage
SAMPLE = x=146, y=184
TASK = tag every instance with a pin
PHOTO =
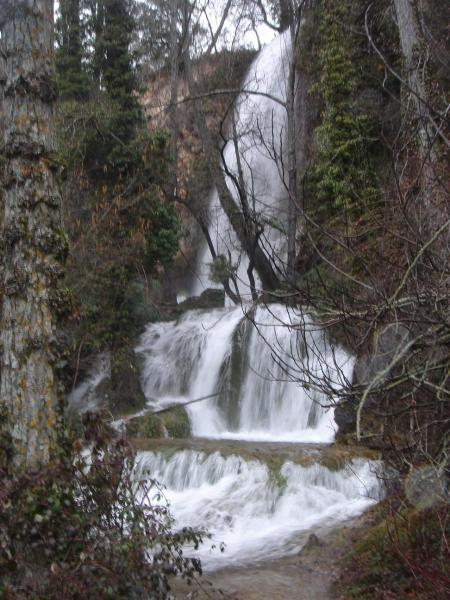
x=122, y=231
x=343, y=176
x=84, y=527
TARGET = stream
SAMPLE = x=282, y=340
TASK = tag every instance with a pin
x=246, y=479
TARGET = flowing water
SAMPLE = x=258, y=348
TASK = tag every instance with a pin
x=258, y=507
x=261, y=366
x=259, y=137
x=255, y=512
x=254, y=363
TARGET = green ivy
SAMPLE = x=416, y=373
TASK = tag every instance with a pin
x=342, y=177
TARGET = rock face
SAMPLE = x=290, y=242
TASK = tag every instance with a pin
x=113, y=385
x=379, y=366
x=121, y=392
x=345, y=416
x=210, y=298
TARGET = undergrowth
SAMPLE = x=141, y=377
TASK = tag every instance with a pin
x=83, y=527
x=405, y=554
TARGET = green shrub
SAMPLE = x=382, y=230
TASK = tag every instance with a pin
x=84, y=528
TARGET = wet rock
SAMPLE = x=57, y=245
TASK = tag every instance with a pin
x=210, y=298
x=380, y=365
x=121, y=392
x=345, y=416
x=173, y=423
x=312, y=542
x=145, y=426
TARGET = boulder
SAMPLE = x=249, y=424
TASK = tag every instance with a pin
x=210, y=298
x=121, y=391
x=173, y=423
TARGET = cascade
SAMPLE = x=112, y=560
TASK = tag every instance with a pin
x=260, y=121
x=257, y=513
x=252, y=363
x=257, y=510
x=198, y=356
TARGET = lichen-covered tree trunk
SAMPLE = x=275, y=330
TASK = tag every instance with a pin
x=32, y=240
x=415, y=67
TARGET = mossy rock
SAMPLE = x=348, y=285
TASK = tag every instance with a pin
x=122, y=392
x=176, y=422
x=147, y=426
x=173, y=423
x=208, y=299
x=391, y=556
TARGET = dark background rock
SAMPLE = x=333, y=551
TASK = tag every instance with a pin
x=122, y=392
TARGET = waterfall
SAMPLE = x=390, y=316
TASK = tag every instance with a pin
x=253, y=367
x=260, y=119
x=254, y=511
x=259, y=365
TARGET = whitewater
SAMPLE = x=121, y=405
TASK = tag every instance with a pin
x=271, y=374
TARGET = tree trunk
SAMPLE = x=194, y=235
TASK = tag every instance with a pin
x=414, y=63
x=33, y=243
x=173, y=108
x=292, y=161
x=286, y=14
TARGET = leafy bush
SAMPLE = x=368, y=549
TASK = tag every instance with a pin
x=83, y=527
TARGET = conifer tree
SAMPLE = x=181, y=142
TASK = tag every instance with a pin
x=73, y=81
x=118, y=72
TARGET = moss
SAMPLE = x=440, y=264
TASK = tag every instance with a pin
x=123, y=390
x=401, y=555
x=174, y=423
x=342, y=174
x=277, y=479
x=333, y=457
x=147, y=426
x=62, y=301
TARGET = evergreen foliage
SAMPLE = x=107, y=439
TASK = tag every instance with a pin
x=118, y=77
x=342, y=176
x=73, y=80
x=114, y=172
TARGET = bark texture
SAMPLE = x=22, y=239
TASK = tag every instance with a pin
x=292, y=160
x=33, y=243
x=415, y=68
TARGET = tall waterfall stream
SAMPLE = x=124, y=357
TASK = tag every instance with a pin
x=258, y=508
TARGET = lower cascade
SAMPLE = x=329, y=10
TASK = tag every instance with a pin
x=243, y=488
x=252, y=512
